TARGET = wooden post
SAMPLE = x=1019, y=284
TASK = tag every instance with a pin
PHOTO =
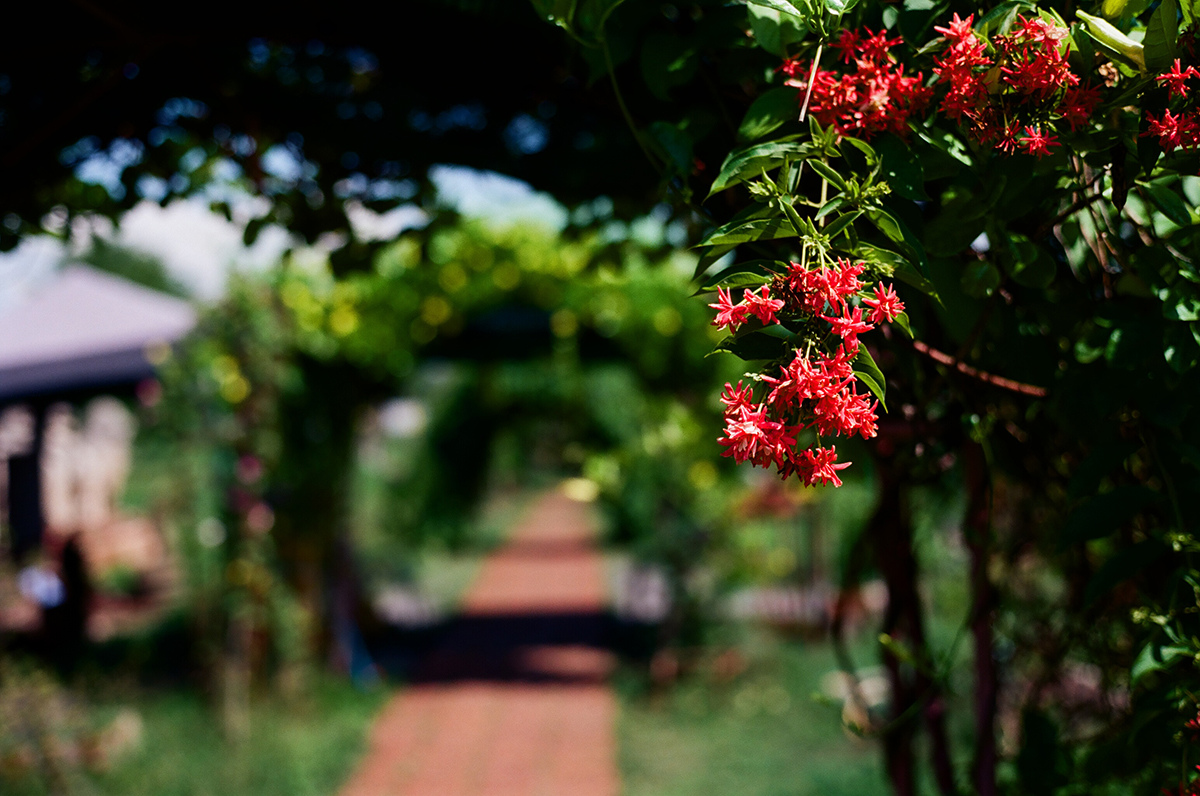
x=25, y=518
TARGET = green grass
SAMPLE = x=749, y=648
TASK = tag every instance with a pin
x=300, y=749
x=761, y=735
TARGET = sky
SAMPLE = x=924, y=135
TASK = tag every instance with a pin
x=200, y=248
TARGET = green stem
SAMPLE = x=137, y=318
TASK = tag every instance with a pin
x=612, y=76
x=812, y=76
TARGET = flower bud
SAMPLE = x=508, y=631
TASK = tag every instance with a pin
x=1107, y=34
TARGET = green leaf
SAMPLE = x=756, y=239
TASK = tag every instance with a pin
x=1155, y=657
x=741, y=279
x=764, y=343
x=782, y=6
x=253, y=228
x=667, y=61
x=1191, y=12
x=902, y=321
x=826, y=171
x=862, y=146
x=1168, y=202
x=672, y=144
x=590, y=16
x=901, y=167
x=840, y=223
x=895, y=265
x=980, y=278
x=1029, y=265
x=758, y=229
x=560, y=12
x=869, y=374
x=775, y=31
x=909, y=275
x=899, y=232
x=1000, y=18
x=1100, y=515
x=709, y=257
x=1179, y=348
x=886, y=224
x=949, y=233
x=769, y=268
x=1161, y=33
x=749, y=162
x=769, y=111
x=946, y=142
x=1178, y=305
x=836, y=203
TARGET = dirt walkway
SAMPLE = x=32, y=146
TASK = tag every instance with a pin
x=514, y=699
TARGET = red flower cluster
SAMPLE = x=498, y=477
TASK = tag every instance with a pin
x=1174, y=131
x=1180, y=129
x=875, y=98
x=817, y=389
x=1012, y=98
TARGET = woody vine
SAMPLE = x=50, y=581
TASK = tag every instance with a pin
x=959, y=242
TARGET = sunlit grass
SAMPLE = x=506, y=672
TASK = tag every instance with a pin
x=761, y=734
x=295, y=748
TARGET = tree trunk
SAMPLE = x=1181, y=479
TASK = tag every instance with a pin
x=914, y=692
x=978, y=539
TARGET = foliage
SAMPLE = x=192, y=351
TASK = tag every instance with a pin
x=576, y=345
x=315, y=113
x=132, y=265
x=1033, y=202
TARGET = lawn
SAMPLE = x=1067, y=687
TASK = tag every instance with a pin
x=298, y=748
x=762, y=734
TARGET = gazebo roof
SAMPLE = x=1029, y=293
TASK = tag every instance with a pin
x=85, y=330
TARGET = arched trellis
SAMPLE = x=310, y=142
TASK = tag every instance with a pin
x=279, y=373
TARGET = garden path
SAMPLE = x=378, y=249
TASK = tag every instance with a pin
x=514, y=700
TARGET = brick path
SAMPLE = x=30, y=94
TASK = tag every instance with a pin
x=513, y=701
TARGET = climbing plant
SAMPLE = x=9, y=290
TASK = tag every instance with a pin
x=1006, y=192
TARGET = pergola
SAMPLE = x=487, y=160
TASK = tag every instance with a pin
x=81, y=334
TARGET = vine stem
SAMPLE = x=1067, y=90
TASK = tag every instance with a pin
x=812, y=76
x=965, y=369
x=612, y=77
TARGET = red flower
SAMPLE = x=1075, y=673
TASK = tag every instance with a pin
x=729, y=314
x=847, y=44
x=751, y=436
x=849, y=326
x=844, y=412
x=737, y=398
x=763, y=306
x=1174, y=131
x=1078, y=105
x=1036, y=29
x=1177, y=79
x=1026, y=79
x=877, y=97
x=746, y=430
x=819, y=464
x=1193, y=725
x=1035, y=142
x=959, y=30
x=886, y=305
x=844, y=280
